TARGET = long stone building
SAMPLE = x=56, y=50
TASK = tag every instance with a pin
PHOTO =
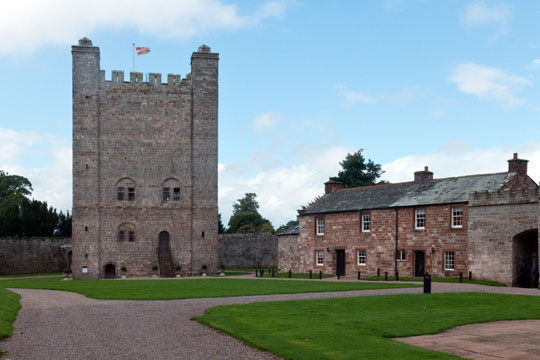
x=144, y=168
x=484, y=224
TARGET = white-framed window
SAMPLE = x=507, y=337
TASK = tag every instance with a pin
x=448, y=260
x=457, y=217
x=400, y=255
x=420, y=219
x=319, y=226
x=361, y=256
x=319, y=257
x=366, y=222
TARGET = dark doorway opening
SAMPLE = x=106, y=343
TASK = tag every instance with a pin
x=525, y=251
x=419, y=263
x=340, y=262
x=110, y=271
x=164, y=255
x=70, y=259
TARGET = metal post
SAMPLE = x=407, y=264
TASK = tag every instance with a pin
x=378, y=272
x=427, y=283
x=320, y=274
x=338, y=277
x=256, y=272
x=397, y=275
x=262, y=272
x=310, y=275
x=290, y=274
x=386, y=276
x=460, y=277
x=272, y=272
x=133, y=57
x=470, y=275
x=358, y=274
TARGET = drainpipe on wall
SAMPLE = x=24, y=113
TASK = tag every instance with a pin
x=396, y=252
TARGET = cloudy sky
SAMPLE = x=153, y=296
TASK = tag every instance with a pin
x=454, y=85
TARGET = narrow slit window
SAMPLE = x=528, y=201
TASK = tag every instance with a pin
x=131, y=236
x=131, y=194
x=121, y=235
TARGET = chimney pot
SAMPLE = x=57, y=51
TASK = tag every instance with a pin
x=518, y=165
x=515, y=156
x=426, y=168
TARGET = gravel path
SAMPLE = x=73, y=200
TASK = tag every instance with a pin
x=56, y=325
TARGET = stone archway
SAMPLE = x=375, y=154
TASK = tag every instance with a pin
x=525, y=254
x=164, y=255
x=110, y=271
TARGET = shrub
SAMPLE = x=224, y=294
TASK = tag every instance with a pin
x=178, y=268
x=155, y=268
x=67, y=271
x=222, y=266
x=204, y=267
x=123, y=269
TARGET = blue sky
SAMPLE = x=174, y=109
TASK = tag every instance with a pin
x=454, y=85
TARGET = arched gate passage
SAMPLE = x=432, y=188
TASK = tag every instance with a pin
x=110, y=271
x=525, y=251
x=164, y=255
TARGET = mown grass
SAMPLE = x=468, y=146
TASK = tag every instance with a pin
x=436, y=279
x=31, y=275
x=187, y=288
x=362, y=327
x=9, y=306
x=268, y=274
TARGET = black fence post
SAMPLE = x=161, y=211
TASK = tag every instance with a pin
x=310, y=275
x=320, y=274
x=256, y=272
x=358, y=274
x=470, y=275
x=386, y=276
x=378, y=272
x=397, y=275
x=338, y=276
x=290, y=274
x=460, y=277
x=427, y=283
x=262, y=272
x=272, y=272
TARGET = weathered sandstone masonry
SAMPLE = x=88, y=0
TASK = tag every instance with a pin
x=144, y=168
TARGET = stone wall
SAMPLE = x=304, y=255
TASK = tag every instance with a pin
x=33, y=255
x=496, y=221
x=288, y=252
x=248, y=250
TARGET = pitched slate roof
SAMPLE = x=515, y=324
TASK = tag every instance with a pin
x=437, y=191
x=291, y=230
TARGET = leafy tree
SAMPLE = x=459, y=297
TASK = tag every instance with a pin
x=287, y=225
x=14, y=185
x=246, y=217
x=357, y=172
x=221, y=228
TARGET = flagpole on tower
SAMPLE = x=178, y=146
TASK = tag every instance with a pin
x=133, y=57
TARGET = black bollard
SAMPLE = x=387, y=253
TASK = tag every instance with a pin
x=320, y=274
x=358, y=274
x=262, y=272
x=310, y=275
x=378, y=272
x=397, y=275
x=427, y=283
x=460, y=277
x=386, y=276
x=256, y=272
x=338, y=277
x=290, y=274
x=272, y=272
x=470, y=275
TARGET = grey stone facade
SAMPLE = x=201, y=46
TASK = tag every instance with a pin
x=131, y=141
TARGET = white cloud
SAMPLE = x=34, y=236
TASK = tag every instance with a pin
x=479, y=14
x=458, y=159
x=489, y=83
x=534, y=65
x=26, y=25
x=51, y=181
x=353, y=97
x=265, y=121
x=281, y=190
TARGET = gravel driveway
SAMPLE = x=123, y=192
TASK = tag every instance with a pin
x=54, y=325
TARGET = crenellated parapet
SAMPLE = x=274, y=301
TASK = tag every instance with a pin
x=137, y=78
x=504, y=197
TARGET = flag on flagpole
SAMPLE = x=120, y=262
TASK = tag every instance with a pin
x=142, y=50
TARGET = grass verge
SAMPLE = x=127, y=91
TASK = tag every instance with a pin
x=31, y=275
x=188, y=288
x=9, y=306
x=437, y=279
x=362, y=327
x=294, y=275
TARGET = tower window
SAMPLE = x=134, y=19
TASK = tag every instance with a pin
x=176, y=194
x=121, y=235
x=131, y=194
x=120, y=193
x=166, y=194
x=131, y=236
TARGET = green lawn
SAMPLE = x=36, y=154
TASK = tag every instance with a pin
x=9, y=306
x=187, y=288
x=437, y=279
x=235, y=273
x=31, y=275
x=294, y=275
x=362, y=327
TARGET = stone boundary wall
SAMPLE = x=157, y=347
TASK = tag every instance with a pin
x=289, y=253
x=248, y=250
x=33, y=255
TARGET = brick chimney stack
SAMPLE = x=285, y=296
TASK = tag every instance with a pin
x=421, y=177
x=517, y=165
x=332, y=185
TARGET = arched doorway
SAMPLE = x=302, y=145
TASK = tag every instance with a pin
x=525, y=251
x=110, y=271
x=164, y=255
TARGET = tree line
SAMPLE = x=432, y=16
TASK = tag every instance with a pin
x=21, y=216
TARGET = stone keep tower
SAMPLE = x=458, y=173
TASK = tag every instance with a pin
x=144, y=168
